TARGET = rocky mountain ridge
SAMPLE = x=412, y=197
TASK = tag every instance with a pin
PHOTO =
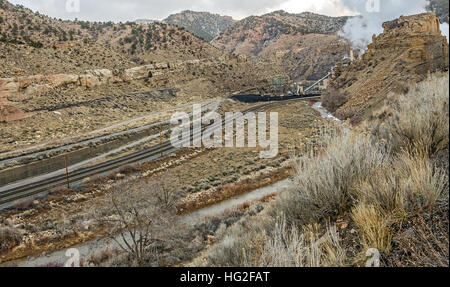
x=305, y=45
x=202, y=24
x=31, y=43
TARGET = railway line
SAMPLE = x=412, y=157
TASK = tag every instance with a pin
x=8, y=157
x=10, y=195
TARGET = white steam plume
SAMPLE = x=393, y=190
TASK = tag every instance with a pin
x=373, y=13
x=444, y=29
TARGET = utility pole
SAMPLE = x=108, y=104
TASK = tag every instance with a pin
x=160, y=140
x=67, y=171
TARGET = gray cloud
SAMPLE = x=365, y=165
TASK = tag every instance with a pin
x=121, y=10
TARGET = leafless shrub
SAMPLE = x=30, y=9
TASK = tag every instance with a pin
x=53, y=265
x=136, y=235
x=137, y=220
x=334, y=99
x=56, y=190
x=128, y=168
x=9, y=237
x=164, y=191
x=102, y=256
x=427, y=245
x=24, y=204
x=355, y=121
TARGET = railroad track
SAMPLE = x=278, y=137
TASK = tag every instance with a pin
x=20, y=192
x=95, y=139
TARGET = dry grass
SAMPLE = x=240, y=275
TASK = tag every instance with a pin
x=264, y=242
x=289, y=248
x=373, y=226
x=405, y=187
x=323, y=184
x=418, y=120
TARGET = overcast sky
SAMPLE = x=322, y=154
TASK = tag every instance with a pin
x=129, y=10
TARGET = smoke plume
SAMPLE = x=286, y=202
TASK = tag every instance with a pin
x=444, y=29
x=373, y=13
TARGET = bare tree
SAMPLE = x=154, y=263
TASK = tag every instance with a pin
x=138, y=219
x=165, y=191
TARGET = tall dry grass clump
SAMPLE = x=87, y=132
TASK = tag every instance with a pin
x=407, y=185
x=267, y=242
x=311, y=248
x=419, y=120
x=374, y=227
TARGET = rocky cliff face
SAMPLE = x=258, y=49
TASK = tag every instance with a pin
x=252, y=35
x=408, y=49
x=202, y=24
x=305, y=45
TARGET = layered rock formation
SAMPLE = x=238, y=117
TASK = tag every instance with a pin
x=19, y=89
x=408, y=49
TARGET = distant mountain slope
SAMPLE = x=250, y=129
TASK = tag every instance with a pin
x=251, y=35
x=31, y=43
x=305, y=44
x=144, y=21
x=203, y=24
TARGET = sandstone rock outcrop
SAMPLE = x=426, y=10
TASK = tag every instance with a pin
x=16, y=90
x=409, y=48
